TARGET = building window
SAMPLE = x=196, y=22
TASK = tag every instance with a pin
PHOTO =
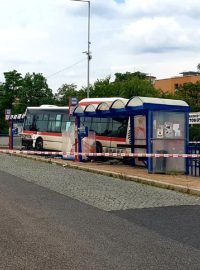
x=176, y=86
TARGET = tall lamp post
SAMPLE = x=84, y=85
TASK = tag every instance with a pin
x=89, y=55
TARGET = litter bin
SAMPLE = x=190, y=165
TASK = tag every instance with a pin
x=161, y=162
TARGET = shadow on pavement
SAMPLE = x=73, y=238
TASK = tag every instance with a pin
x=180, y=223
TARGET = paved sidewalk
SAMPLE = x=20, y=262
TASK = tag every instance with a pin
x=181, y=183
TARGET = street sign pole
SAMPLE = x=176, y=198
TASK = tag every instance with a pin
x=11, y=134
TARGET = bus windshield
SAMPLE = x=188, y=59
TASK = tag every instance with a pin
x=46, y=120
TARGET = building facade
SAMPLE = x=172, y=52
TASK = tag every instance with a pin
x=171, y=84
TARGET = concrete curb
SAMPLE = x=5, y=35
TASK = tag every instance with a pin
x=142, y=180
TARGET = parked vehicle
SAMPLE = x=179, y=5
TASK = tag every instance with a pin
x=43, y=127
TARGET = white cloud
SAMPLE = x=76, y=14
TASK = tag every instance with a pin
x=157, y=37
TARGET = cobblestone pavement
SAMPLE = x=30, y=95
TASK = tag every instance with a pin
x=103, y=192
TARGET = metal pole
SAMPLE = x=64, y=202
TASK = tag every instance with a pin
x=89, y=56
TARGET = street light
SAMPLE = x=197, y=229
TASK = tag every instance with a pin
x=89, y=56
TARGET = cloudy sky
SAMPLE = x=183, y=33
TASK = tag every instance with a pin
x=159, y=37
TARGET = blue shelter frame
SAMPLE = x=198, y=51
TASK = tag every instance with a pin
x=17, y=118
x=148, y=107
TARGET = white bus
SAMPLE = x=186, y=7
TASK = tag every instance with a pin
x=43, y=127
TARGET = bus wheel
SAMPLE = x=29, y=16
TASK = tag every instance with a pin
x=99, y=150
x=98, y=147
x=39, y=144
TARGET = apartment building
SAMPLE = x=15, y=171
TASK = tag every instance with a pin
x=171, y=84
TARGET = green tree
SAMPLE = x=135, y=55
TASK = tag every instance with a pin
x=137, y=87
x=17, y=93
x=102, y=88
x=125, y=85
x=34, y=91
x=9, y=91
x=198, y=67
x=128, y=76
x=190, y=92
x=64, y=92
x=3, y=125
x=11, y=88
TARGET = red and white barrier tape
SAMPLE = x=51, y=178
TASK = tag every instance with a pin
x=135, y=155
x=29, y=152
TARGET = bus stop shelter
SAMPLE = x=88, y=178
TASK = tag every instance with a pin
x=159, y=126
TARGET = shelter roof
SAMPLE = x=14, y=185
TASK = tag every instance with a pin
x=140, y=101
x=122, y=105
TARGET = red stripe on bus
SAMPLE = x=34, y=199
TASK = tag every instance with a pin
x=89, y=102
x=103, y=138
x=113, y=139
x=29, y=132
x=50, y=134
x=42, y=133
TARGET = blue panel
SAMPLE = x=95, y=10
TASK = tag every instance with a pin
x=149, y=137
x=79, y=139
x=186, y=142
x=132, y=137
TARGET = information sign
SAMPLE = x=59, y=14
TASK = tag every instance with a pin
x=73, y=102
x=7, y=114
x=194, y=118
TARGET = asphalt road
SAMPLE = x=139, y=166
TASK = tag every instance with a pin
x=43, y=229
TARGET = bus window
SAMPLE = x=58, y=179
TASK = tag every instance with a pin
x=86, y=122
x=46, y=117
x=58, y=123
x=72, y=119
x=119, y=127
x=115, y=126
x=122, y=129
x=28, y=121
x=52, y=116
x=64, y=126
x=96, y=124
x=65, y=117
x=39, y=122
x=104, y=127
x=52, y=122
x=58, y=117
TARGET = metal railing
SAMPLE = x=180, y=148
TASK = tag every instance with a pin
x=194, y=163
